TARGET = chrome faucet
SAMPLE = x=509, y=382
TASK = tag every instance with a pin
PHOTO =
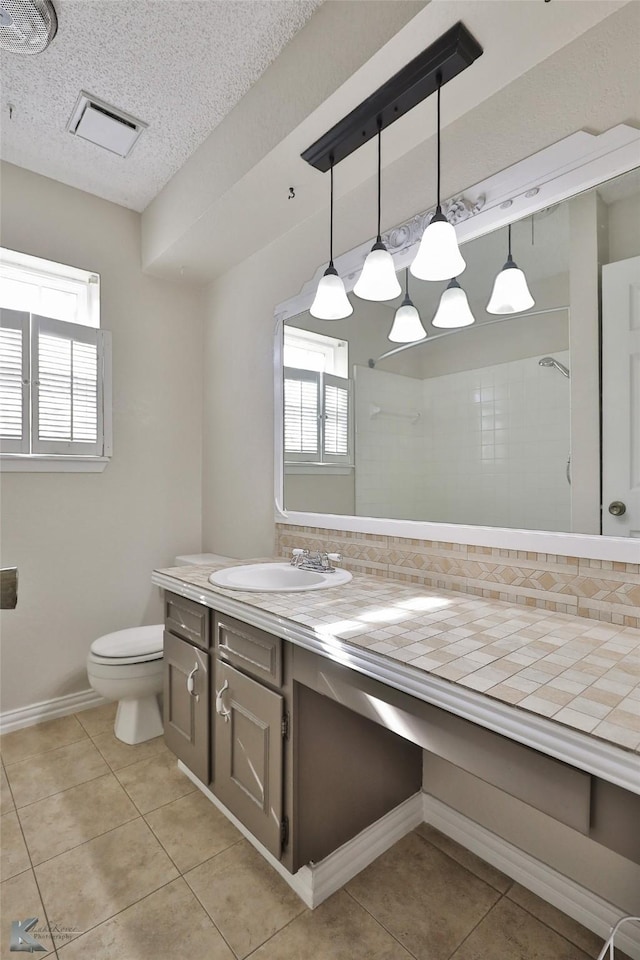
x=321, y=562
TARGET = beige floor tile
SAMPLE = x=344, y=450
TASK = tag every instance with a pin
x=339, y=929
x=57, y=824
x=245, y=897
x=43, y=737
x=168, y=924
x=6, y=800
x=55, y=771
x=13, y=852
x=20, y=900
x=481, y=869
x=91, y=883
x=423, y=897
x=98, y=720
x=119, y=754
x=510, y=933
x=154, y=782
x=192, y=830
x=569, y=928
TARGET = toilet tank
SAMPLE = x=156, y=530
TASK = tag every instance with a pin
x=197, y=558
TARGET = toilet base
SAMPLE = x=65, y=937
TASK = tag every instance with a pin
x=138, y=720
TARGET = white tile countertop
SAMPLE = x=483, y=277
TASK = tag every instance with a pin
x=565, y=685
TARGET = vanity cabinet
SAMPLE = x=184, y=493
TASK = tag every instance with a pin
x=302, y=773
x=186, y=689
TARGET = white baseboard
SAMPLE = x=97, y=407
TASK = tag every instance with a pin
x=49, y=710
x=348, y=860
x=316, y=882
x=561, y=892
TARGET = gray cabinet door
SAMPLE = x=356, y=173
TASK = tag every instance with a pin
x=186, y=704
x=248, y=746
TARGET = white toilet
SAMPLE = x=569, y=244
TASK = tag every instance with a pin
x=127, y=666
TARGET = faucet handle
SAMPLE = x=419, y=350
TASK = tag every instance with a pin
x=334, y=557
x=298, y=552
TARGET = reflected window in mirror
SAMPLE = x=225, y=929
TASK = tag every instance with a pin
x=318, y=434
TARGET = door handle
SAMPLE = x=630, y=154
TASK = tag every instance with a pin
x=617, y=508
x=220, y=707
x=191, y=684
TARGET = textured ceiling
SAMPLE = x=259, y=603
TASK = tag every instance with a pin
x=179, y=65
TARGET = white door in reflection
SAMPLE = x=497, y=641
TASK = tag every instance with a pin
x=621, y=398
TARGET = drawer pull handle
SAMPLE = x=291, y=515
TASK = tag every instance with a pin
x=220, y=707
x=191, y=684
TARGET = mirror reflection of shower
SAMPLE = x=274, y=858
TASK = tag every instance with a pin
x=552, y=362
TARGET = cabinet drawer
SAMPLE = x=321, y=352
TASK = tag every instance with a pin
x=187, y=619
x=254, y=651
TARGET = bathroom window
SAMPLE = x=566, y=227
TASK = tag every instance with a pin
x=317, y=399
x=54, y=367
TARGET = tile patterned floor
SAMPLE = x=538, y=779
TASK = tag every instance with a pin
x=120, y=858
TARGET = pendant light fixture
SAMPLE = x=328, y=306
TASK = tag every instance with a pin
x=438, y=256
x=407, y=326
x=510, y=291
x=378, y=279
x=331, y=301
x=453, y=310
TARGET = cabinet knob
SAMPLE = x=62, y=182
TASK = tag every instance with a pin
x=617, y=508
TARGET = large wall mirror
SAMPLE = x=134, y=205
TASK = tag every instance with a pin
x=496, y=424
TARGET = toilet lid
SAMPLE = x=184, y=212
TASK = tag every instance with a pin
x=134, y=642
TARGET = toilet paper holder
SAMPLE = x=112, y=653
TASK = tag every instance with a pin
x=8, y=588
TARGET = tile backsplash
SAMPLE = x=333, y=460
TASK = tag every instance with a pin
x=599, y=589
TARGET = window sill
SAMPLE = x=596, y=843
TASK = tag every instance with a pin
x=26, y=463
x=337, y=469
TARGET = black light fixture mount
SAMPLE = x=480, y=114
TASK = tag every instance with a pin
x=443, y=60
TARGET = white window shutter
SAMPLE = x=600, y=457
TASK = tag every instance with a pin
x=336, y=432
x=67, y=396
x=301, y=415
x=14, y=381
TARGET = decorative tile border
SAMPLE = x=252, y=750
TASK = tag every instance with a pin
x=597, y=589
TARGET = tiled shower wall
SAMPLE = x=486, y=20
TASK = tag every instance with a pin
x=484, y=446
x=600, y=589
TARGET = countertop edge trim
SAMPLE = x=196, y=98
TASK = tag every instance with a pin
x=588, y=753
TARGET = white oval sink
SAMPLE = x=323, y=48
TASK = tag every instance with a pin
x=276, y=578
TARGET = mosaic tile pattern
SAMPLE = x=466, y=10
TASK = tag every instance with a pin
x=597, y=589
x=578, y=672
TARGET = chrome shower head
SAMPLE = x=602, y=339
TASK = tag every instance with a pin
x=552, y=362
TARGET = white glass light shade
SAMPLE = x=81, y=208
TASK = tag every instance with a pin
x=510, y=291
x=438, y=256
x=378, y=279
x=453, y=310
x=331, y=301
x=407, y=326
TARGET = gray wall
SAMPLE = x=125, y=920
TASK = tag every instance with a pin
x=85, y=543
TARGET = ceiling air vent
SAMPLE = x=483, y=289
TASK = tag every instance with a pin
x=27, y=26
x=104, y=125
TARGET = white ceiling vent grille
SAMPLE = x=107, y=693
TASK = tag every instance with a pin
x=104, y=125
x=27, y=26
